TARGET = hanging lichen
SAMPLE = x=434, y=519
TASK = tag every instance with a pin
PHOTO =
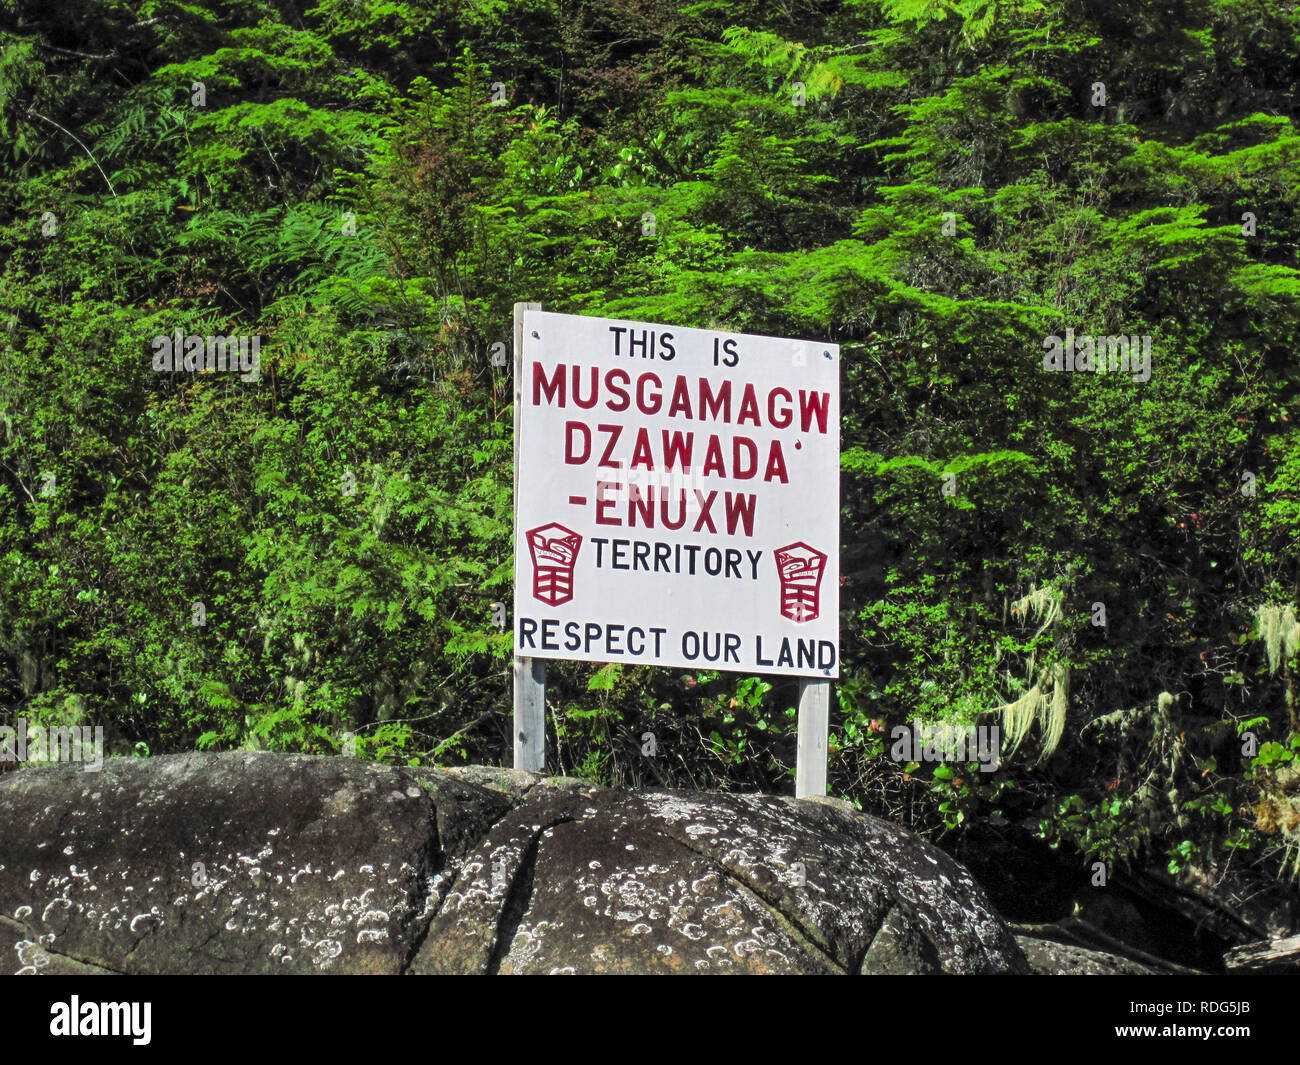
x=1053, y=726
x=1044, y=603
x=1047, y=703
x=1018, y=716
x=1280, y=632
x=1048, y=699
x=1277, y=811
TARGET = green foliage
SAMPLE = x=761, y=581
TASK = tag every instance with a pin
x=925, y=182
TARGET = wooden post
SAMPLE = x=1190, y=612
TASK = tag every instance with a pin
x=814, y=725
x=529, y=673
x=530, y=714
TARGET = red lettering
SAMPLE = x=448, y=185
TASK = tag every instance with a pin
x=740, y=508
x=748, y=407
x=713, y=458
x=715, y=405
x=813, y=405
x=706, y=504
x=641, y=403
x=550, y=389
x=681, y=510
x=643, y=503
x=641, y=453
x=613, y=432
x=681, y=398
x=603, y=504
x=569, y=457
x=623, y=399
x=595, y=387
x=677, y=449
x=739, y=473
x=776, y=464
x=786, y=414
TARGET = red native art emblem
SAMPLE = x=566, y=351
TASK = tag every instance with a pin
x=554, y=550
x=800, y=568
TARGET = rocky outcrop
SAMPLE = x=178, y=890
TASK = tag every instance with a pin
x=258, y=863
x=1049, y=957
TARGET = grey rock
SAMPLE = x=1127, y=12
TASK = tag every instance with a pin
x=657, y=881
x=228, y=863
x=1048, y=957
x=330, y=865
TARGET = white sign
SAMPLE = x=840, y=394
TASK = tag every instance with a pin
x=678, y=497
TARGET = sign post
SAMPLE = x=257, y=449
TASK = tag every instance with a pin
x=814, y=724
x=529, y=673
x=676, y=504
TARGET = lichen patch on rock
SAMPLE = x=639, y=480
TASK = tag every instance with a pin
x=259, y=862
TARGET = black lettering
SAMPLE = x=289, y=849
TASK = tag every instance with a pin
x=618, y=331
x=662, y=551
x=527, y=627
x=807, y=649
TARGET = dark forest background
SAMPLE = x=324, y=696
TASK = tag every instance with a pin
x=370, y=185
